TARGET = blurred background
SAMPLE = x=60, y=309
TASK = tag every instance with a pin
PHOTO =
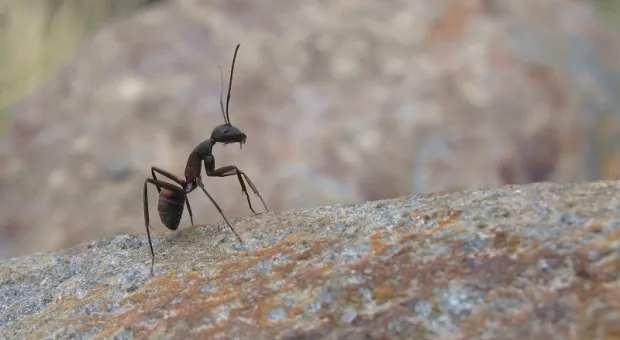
x=342, y=102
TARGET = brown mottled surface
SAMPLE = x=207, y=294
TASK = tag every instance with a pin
x=540, y=261
x=342, y=102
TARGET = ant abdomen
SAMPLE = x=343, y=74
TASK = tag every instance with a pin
x=170, y=208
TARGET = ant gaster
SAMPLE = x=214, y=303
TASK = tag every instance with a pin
x=173, y=196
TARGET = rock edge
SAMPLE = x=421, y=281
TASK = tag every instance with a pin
x=533, y=261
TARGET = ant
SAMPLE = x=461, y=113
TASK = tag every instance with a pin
x=173, y=196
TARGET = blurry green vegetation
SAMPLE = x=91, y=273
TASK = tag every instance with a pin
x=35, y=36
x=610, y=10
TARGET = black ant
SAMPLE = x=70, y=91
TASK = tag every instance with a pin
x=173, y=196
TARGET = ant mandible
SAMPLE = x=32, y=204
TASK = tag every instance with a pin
x=174, y=196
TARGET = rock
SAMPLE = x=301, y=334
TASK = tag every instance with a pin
x=341, y=104
x=537, y=261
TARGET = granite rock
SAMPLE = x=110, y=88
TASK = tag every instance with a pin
x=536, y=261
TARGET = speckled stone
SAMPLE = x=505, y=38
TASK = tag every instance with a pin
x=538, y=261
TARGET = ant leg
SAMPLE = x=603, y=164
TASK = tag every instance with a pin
x=168, y=175
x=153, y=169
x=189, y=209
x=147, y=223
x=218, y=209
x=157, y=184
x=230, y=170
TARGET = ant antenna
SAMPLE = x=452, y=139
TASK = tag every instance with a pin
x=222, y=94
x=232, y=68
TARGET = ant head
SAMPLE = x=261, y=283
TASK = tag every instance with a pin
x=228, y=134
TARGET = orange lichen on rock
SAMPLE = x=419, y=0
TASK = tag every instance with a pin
x=378, y=235
x=595, y=227
x=298, y=237
x=601, y=245
x=385, y=292
x=283, y=269
x=231, y=267
x=613, y=235
x=377, y=247
x=409, y=236
x=193, y=275
x=269, y=251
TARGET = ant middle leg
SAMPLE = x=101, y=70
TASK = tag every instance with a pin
x=230, y=170
x=167, y=174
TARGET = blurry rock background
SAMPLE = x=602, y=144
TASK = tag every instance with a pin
x=342, y=102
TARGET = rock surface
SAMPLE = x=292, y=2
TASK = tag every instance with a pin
x=341, y=104
x=539, y=261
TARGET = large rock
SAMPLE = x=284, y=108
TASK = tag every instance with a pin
x=341, y=104
x=539, y=261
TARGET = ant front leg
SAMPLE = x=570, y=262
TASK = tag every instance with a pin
x=230, y=170
x=157, y=184
x=175, y=179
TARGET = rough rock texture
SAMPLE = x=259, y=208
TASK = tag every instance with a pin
x=343, y=102
x=540, y=261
